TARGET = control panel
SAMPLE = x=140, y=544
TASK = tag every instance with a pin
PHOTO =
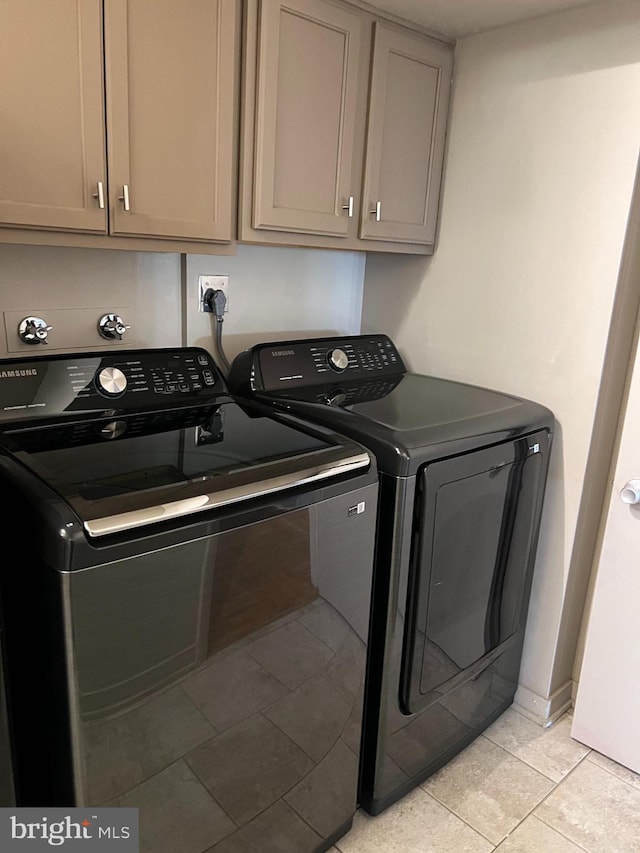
x=324, y=360
x=135, y=380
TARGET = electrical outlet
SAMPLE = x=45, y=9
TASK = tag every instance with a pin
x=215, y=282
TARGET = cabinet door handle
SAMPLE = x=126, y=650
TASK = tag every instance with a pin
x=99, y=194
x=124, y=198
x=376, y=211
x=349, y=207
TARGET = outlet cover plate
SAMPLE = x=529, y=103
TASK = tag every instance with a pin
x=215, y=282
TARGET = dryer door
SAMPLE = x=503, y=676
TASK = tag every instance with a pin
x=475, y=530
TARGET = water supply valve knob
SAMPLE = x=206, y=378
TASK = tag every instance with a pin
x=112, y=327
x=34, y=330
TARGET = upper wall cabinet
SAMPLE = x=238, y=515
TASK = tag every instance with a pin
x=408, y=103
x=308, y=83
x=170, y=73
x=166, y=110
x=344, y=122
x=52, y=140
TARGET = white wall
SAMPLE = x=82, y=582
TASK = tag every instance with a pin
x=277, y=293
x=274, y=293
x=542, y=153
x=71, y=288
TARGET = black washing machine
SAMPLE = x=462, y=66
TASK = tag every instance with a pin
x=462, y=476
x=186, y=610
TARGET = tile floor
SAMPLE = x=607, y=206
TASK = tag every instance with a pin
x=518, y=788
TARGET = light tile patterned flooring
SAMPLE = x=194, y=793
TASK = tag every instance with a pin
x=518, y=788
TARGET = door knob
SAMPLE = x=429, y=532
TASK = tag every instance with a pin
x=630, y=492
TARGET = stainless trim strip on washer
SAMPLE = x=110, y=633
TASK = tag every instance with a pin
x=163, y=512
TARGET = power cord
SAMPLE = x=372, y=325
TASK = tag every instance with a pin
x=215, y=301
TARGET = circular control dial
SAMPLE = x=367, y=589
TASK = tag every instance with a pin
x=338, y=360
x=336, y=398
x=111, y=381
x=113, y=429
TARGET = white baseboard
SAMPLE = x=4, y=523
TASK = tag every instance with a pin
x=544, y=710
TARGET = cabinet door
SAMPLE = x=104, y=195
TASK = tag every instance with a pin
x=51, y=113
x=171, y=69
x=308, y=77
x=408, y=108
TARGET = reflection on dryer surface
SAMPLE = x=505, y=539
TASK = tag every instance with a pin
x=236, y=719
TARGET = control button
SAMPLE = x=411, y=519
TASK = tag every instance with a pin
x=114, y=429
x=111, y=381
x=338, y=360
x=208, y=377
x=202, y=359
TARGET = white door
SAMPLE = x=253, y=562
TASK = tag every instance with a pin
x=607, y=710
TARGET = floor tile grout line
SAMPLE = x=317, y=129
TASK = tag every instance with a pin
x=475, y=829
x=610, y=772
x=459, y=817
x=531, y=812
x=199, y=710
x=240, y=827
x=524, y=760
x=200, y=781
x=555, y=784
x=555, y=828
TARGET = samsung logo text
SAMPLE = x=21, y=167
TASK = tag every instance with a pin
x=14, y=374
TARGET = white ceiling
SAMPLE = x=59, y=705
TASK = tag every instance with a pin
x=458, y=18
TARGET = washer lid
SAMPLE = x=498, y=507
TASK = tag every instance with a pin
x=125, y=472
